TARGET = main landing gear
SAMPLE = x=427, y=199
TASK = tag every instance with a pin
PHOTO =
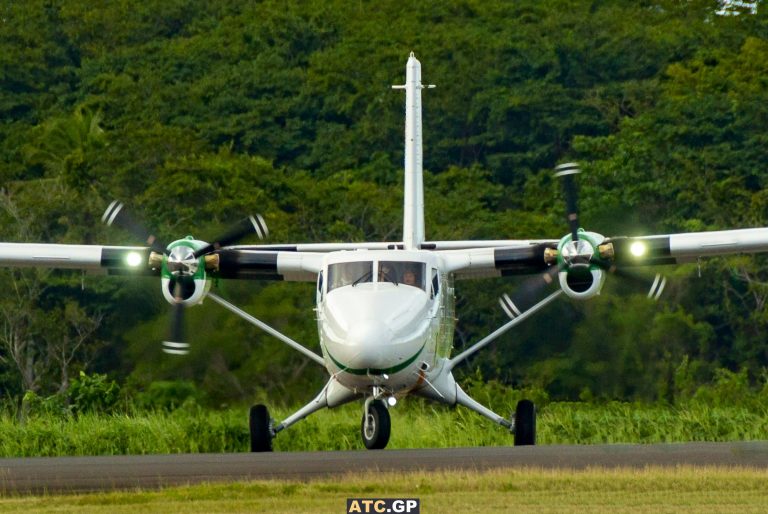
x=525, y=423
x=261, y=429
x=376, y=424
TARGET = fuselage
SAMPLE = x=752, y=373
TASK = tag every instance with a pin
x=385, y=318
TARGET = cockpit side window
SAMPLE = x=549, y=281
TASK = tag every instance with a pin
x=435, y=283
x=349, y=274
x=403, y=272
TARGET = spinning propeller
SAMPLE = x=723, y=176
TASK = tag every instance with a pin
x=183, y=264
x=581, y=259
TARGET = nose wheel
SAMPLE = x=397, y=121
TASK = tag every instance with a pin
x=376, y=425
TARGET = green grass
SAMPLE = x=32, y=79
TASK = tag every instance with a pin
x=650, y=490
x=414, y=425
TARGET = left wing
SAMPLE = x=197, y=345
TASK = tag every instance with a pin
x=688, y=246
x=650, y=250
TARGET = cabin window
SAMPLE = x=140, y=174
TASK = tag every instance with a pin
x=435, y=283
x=402, y=272
x=349, y=274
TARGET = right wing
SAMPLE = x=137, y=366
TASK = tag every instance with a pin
x=113, y=260
x=135, y=260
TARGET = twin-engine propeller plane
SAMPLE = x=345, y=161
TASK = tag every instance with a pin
x=385, y=310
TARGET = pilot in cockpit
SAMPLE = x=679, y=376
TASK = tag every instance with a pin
x=387, y=273
x=409, y=277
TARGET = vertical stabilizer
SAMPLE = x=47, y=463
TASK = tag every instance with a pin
x=413, y=205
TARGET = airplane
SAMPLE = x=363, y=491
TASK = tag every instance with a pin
x=386, y=310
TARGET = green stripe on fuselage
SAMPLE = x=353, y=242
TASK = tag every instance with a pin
x=377, y=371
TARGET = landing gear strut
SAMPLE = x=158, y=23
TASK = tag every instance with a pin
x=376, y=425
x=525, y=423
x=261, y=429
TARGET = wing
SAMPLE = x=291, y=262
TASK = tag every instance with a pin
x=687, y=247
x=269, y=265
x=537, y=256
x=520, y=259
x=395, y=245
x=115, y=260
x=468, y=259
x=135, y=260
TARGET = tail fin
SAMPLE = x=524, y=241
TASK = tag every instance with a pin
x=413, y=204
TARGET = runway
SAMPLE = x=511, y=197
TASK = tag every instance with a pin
x=75, y=474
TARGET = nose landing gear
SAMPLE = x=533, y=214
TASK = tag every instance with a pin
x=376, y=424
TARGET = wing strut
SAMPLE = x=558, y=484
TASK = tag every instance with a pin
x=266, y=328
x=501, y=330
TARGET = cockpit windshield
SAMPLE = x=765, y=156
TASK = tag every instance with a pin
x=402, y=272
x=358, y=272
x=349, y=274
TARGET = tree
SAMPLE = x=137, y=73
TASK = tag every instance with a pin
x=40, y=343
x=65, y=146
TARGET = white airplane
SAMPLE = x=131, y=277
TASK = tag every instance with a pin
x=385, y=310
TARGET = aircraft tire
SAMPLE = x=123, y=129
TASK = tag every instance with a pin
x=380, y=424
x=525, y=423
x=261, y=435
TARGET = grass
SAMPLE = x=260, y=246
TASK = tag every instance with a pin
x=657, y=490
x=415, y=425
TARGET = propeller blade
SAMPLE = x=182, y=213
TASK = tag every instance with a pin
x=240, y=230
x=175, y=348
x=118, y=216
x=175, y=345
x=657, y=287
x=567, y=171
x=528, y=294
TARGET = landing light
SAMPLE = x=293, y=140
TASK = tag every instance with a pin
x=133, y=259
x=638, y=248
x=391, y=401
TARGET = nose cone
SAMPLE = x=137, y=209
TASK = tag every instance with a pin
x=367, y=341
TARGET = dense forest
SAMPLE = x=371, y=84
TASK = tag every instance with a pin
x=196, y=113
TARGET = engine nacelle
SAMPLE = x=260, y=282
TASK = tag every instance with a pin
x=183, y=275
x=581, y=277
x=192, y=290
x=582, y=283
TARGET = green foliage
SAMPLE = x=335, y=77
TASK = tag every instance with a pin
x=600, y=490
x=500, y=397
x=86, y=394
x=93, y=393
x=197, y=113
x=624, y=423
x=121, y=434
x=194, y=430
x=64, y=147
x=168, y=395
x=35, y=405
x=729, y=388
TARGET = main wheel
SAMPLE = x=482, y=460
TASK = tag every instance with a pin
x=525, y=423
x=376, y=436
x=261, y=435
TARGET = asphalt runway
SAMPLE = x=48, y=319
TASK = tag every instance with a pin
x=78, y=474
